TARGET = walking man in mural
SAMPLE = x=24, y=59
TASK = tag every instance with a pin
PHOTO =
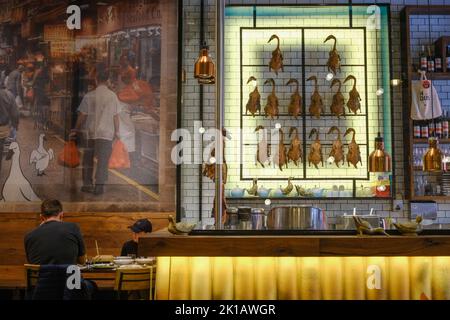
x=98, y=121
x=9, y=118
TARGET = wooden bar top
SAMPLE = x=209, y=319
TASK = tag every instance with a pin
x=163, y=243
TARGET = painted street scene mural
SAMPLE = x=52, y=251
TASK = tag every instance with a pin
x=80, y=115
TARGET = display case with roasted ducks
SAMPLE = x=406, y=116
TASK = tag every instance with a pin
x=312, y=87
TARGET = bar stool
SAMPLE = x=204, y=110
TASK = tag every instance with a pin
x=31, y=278
x=134, y=281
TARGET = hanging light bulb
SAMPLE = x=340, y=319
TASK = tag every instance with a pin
x=379, y=159
x=432, y=161
x=204, y=69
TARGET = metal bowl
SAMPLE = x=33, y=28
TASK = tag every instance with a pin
x=297, y=218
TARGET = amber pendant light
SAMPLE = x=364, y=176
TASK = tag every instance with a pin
x=204, y=69
x=432, y=161
x=379, y=159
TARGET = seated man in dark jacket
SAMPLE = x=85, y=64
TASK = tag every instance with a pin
x=55, y=241
x=55, y=245
x=9, y=118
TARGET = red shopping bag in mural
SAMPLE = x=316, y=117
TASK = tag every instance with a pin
x=69, y=156
x=119, y=157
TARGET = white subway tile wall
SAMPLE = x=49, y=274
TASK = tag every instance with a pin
x=190, y=174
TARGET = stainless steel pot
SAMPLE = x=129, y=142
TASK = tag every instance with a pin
x=232, y=218
x=258, y=219
x=297, y=218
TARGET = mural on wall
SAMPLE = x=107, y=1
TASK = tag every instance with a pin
x=17, y=188
x=56, y=77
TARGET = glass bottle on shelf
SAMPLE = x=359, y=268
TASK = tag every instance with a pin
x=438, y=67
x=430, y=60
x=418, y=154
x=423, y=60
x=424, y=130
x=419, y=185
x=438, y=124
x=427, y=186
x=431, y=128
x=448, y=58
x=445, y=149
x=417, y=129
x=445, y=126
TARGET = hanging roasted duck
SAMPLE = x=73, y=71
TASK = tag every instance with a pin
x=354, y=154
x=262, y=150
x=337, y=149
x=338, y=104
x=280, y=158
x=254, y=100
x=334, y=59
x=316, y=107
x=209, y=170
x=295, y=106
x=354, y=100
x=272, y=107
x=276, y=63
x=315, y=154
x=295, y=152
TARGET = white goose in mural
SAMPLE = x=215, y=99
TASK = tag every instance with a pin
x=17, y=188
x=41, y=157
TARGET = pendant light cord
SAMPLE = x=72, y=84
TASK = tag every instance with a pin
x=378, y=64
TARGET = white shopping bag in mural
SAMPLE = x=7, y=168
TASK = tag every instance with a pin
x=425, y=100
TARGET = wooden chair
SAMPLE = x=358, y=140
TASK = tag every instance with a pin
x=134, y=280
x=31, y=277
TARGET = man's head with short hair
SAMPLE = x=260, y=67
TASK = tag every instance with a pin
x=102, y=73
x=51, y=208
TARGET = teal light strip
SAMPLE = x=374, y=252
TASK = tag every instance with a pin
x=386, y=80
x=286, y=11
x=239, y=11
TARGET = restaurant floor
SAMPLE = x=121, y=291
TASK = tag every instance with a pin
x=65, y=183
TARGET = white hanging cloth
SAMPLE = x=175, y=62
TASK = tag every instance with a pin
x=425, y=102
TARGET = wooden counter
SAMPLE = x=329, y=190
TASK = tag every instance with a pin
x=162, y=243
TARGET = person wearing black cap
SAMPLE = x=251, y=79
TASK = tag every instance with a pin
x=139, y=228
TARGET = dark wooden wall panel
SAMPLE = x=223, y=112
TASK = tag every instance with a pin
x=109, y=229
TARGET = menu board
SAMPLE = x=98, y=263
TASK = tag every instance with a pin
x=142, y=13
x=61, y=40
x=61, y=48
x=57, y=32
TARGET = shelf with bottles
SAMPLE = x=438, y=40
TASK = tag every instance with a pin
x=433, y=76
x=435, y=60
x=424, y=51
x=438, y=127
